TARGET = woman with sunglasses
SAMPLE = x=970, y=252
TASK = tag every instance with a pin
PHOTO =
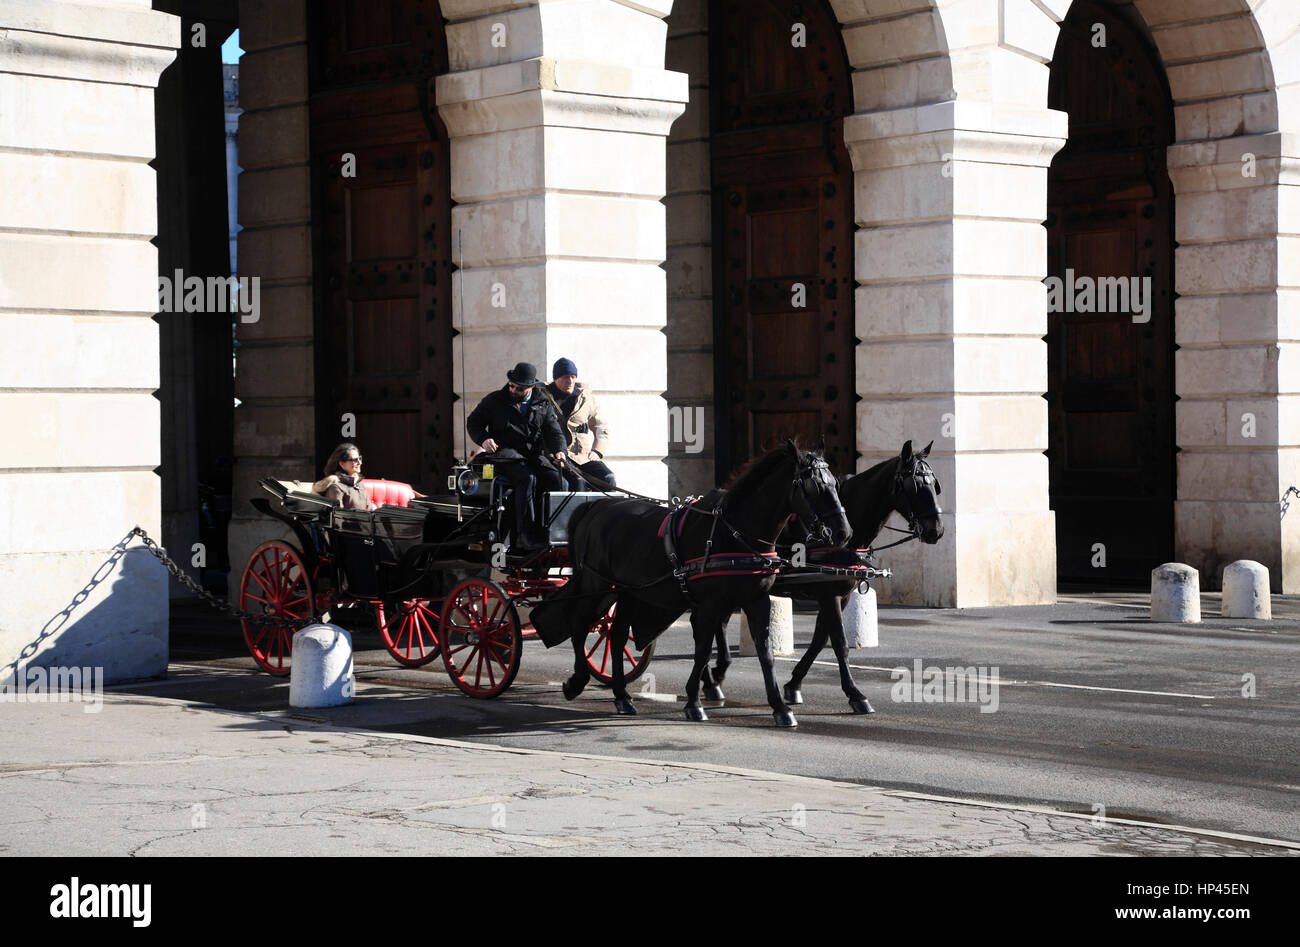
x=342, y=480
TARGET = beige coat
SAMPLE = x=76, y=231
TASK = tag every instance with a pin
x=350, y=497
x=596, y=437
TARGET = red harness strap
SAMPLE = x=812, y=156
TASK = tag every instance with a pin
x=734, y=559
x=681, y=521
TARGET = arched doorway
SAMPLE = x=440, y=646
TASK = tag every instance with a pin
x=783, y=230
x=382, y=238
x=1110, y=362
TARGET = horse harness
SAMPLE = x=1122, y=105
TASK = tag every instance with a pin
x=760, y=563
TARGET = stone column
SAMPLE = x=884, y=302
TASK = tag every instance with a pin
x=1238, y=325
x=275, y=422
x=951, y=311
x=690, y=258
x=558, y=115
x=78, y=289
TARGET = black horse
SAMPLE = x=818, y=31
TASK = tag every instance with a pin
x=723, y=547
x=905, y=485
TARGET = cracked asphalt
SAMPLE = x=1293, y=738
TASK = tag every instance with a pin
x=163, y=777
x=1100, y=714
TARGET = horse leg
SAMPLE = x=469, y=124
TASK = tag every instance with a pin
x=792, y=693
x=581, y=672
x=703, y=630
x=759, y=611
x=618, y=634
x=835, y=623
x=713, y=681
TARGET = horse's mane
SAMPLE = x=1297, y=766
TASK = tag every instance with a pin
x=862, y=502
x=753, y=472
x=855, y=482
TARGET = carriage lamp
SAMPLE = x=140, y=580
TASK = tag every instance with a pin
x=467, y=483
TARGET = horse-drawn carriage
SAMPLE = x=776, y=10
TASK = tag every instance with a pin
x=422, y=568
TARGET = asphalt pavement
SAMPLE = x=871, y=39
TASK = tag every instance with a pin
x=1100, y=714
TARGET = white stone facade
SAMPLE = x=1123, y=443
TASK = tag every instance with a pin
x=79, y=362
x=580, y=168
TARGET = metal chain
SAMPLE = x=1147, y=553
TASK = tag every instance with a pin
x=216, y=601
x=1286, y=502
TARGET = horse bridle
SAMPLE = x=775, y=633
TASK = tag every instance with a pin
x=919, y=473
x=810, y=521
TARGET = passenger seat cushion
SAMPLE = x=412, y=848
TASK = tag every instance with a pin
x=389, y=492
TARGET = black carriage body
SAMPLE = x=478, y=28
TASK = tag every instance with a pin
x=425, y=573
x=377, y=553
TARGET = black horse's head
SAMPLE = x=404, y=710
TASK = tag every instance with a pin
x=814, y=497
x=914, y=494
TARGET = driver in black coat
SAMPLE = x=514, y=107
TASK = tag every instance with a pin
x=520, y=425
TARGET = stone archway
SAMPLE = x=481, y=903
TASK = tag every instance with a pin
x=951, y=196
x=1232, y=76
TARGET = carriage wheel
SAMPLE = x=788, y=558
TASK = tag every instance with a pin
x=275, y=583
x=481, y=639
x=600, y=656
x=409, y=630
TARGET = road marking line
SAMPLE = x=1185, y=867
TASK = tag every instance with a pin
x=1001, y=682
x=1047, y=810
x=1072, y=600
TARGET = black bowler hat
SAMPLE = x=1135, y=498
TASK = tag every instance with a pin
x=524, y=374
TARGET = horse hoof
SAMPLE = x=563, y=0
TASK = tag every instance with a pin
x=714, y=692
x=785, y=719
x=696, y=713
x=570, y=690
x=792, y=694
x=862, y=706
x=625, y=707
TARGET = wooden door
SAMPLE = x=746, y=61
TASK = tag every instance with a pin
x=1110, y=380
x=382, y=238
x=783, y=219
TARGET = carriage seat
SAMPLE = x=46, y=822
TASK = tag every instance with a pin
x=389, y=492
x=381, y=492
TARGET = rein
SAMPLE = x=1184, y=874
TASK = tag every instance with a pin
x=771, y=562
x=677, y=503
x=911, y=534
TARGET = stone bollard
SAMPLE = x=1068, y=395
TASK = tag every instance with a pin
x=781, y=629
x=320, y=674
x=1246, y=591
x=1175, y=593
x=860, y=627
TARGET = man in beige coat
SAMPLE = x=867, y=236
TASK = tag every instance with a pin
x=582, y=420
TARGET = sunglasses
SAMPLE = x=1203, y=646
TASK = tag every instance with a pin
x=514, y=387
x=351, y=460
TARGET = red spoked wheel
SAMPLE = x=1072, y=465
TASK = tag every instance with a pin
x=275, y=583
x=481, y=639
x=409, y=630
x=600, y=657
